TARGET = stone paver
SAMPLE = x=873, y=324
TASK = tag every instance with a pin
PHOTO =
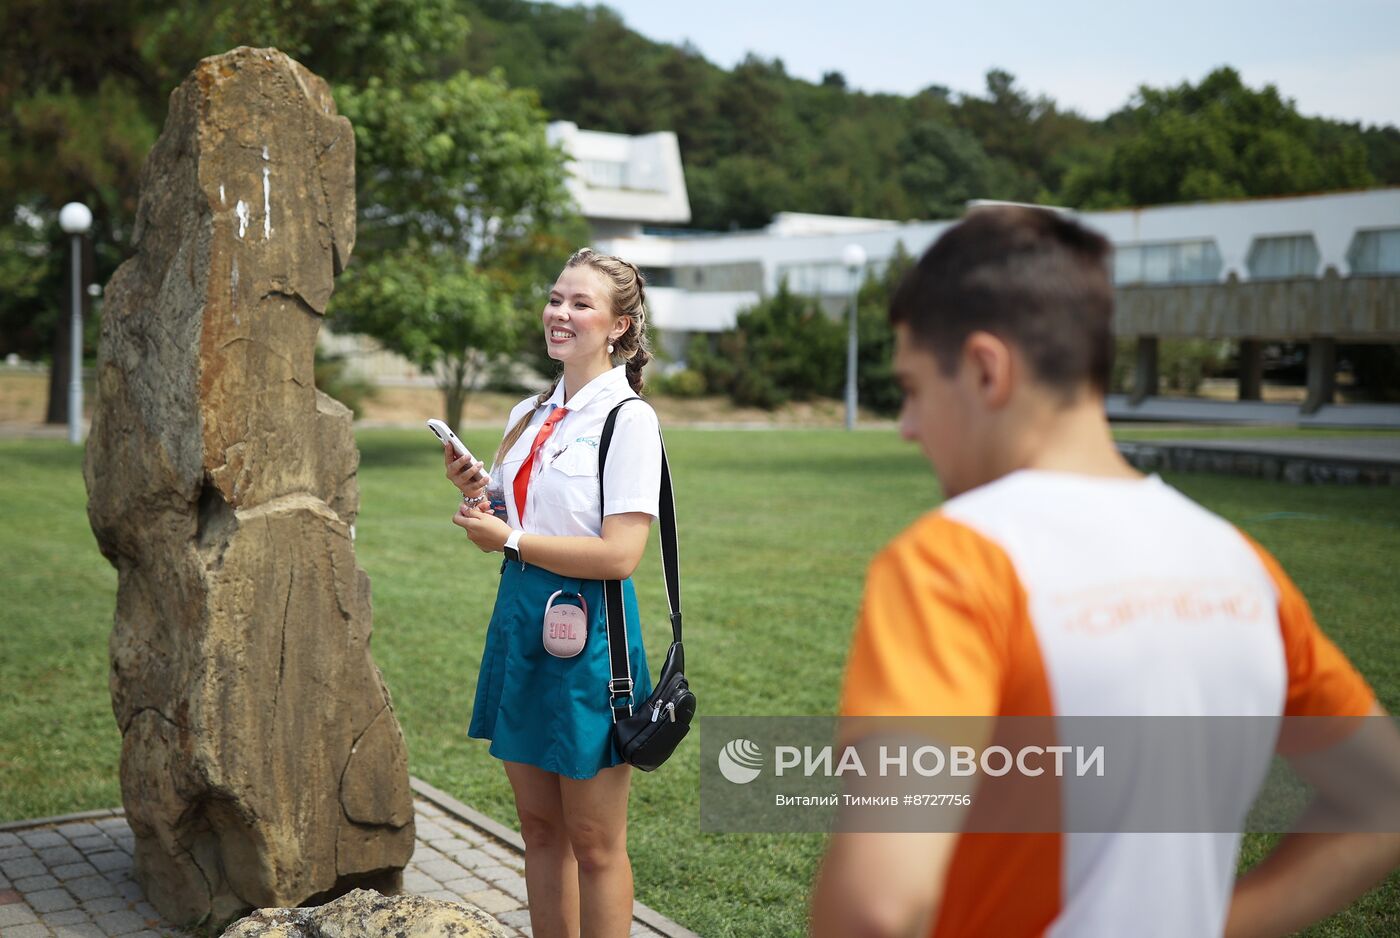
x=83, y=930
x=36, y=883
x=461, y=887
x=104, y=904
x=74, y=870
x=44, y=837
x=493, y=901
x=51, y=900
x=92, y=844
x=22, y=867
x=121, y=922
x=76, y=880
x=442, y=870
x=90, y=887
x=16, y=913
x=59, y=856
x=110, y=860
x=34, y=930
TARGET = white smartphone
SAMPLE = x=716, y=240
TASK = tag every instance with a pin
x=444, y=433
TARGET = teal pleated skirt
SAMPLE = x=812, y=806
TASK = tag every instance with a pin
x=546, y=711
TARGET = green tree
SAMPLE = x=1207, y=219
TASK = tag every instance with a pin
x=783, y=348
x=462, y=200
x=875, y=382
x=943, y=167
x=1216, y=140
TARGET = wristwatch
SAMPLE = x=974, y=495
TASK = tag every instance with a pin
x=512, y=547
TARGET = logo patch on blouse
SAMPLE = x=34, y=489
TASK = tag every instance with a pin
x=588, y=440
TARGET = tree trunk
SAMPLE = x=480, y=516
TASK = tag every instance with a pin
x=455, y=390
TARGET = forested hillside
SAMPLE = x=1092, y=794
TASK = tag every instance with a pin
x=756, y=140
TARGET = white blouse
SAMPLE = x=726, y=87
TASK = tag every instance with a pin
x=563, y=497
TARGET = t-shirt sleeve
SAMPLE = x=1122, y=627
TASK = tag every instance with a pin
x=1321, y=681
x=632, y=479
x=926, y=641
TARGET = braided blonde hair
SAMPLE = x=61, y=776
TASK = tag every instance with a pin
x=627, y=296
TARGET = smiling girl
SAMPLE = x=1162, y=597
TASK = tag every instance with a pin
x=548, y=717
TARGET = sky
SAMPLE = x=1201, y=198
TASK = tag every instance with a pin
x=1339, y=59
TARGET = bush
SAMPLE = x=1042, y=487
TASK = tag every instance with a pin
x=685, y=382
x=784, y=348
x=1182, y=364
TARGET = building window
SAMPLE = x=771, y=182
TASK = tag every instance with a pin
x=824, y=279
x=1173, y=262
x=603, y=174
x=719, y=278
x=1375, y=252
x=1283, y=256
x=659, y=276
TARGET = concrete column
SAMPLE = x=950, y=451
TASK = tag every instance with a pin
x=1322, y=374
x=1145, y=374
x=1251, y=370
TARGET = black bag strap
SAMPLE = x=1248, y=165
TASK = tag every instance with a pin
x=615, y=611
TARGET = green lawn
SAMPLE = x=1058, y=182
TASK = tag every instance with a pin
x=776, y=530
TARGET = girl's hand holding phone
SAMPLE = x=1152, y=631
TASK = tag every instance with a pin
x=465, y=472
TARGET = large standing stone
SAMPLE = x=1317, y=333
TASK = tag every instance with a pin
x=261, y=761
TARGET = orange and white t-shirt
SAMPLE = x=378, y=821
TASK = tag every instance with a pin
x=1062, y=595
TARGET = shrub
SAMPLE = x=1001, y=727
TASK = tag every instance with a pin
x=684, y=382
x=1182, y=364
x=783, y=348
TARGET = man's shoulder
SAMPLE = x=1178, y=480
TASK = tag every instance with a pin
x=937, y=540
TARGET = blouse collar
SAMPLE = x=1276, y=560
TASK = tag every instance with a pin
x=609, y=380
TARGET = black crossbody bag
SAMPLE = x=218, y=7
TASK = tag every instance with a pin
x=647, y=735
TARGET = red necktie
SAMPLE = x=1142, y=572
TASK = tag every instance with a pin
x=522, y=475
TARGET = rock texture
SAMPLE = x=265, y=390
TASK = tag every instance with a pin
x=367, y=914
x=261, y=761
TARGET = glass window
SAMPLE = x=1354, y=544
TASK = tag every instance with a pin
x=1375, y=252
x=604, y=174
x=824, y=279
x=1127, y=264
x=659, y=276
x=1169, y=262
x=1283, y=256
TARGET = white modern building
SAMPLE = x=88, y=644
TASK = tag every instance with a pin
x=701, y=283
x=622, y=183
x=1317, y=269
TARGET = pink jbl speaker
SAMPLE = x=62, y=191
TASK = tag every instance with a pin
x=565, y=627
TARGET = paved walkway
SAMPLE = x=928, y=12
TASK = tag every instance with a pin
x=72, y=877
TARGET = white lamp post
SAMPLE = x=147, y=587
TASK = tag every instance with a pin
x=75, y=219
x=854, y=258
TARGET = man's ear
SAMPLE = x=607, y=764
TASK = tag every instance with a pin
x=990, y=367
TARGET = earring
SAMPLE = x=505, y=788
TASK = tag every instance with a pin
x=610, y=348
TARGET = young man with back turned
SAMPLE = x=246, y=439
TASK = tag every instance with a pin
x=1003, y=349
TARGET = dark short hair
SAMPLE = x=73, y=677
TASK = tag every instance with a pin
x=1029, y=276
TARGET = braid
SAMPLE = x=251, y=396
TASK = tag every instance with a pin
x=628, y=299
x=514, y=432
